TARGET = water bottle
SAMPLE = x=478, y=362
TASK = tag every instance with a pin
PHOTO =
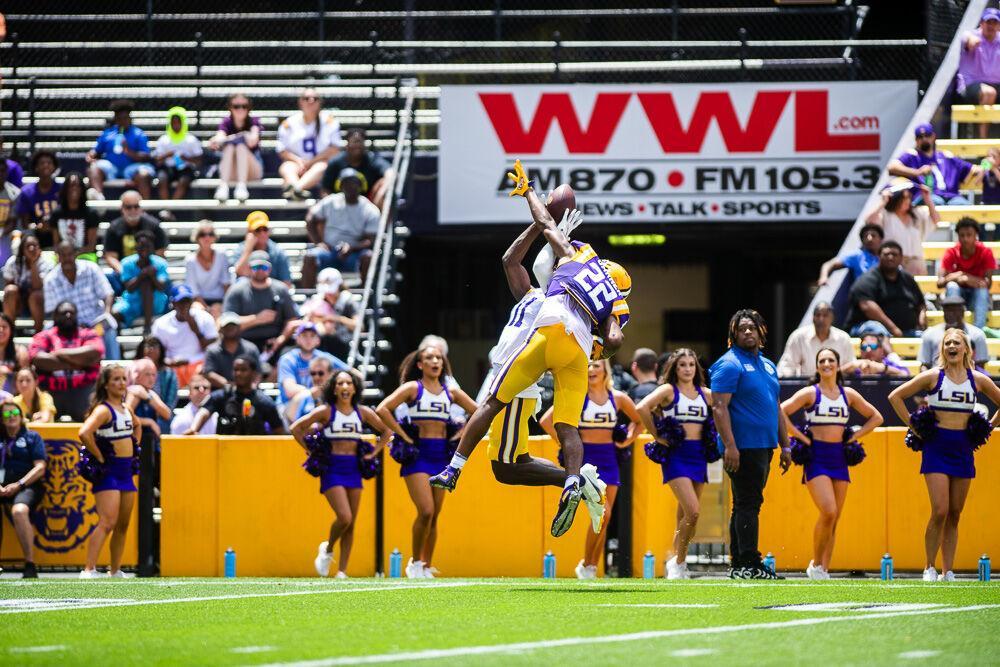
x=984, y=568
x=395, y=564
x=549, y=565
x=886, y=568
x=648, y=566
x=769, y=561
x=230, y=563
x=929, y=180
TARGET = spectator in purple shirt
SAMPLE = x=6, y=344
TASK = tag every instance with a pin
x=239, y=140
x=979, y=65
x=38, y=200
x=15, y=174
x=941, y=171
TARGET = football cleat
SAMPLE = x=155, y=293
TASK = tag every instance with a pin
x=446, y=479
x=593, y=492
x=568, y=502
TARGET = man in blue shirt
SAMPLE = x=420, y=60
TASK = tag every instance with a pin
x=748, y=416
x=858, y=262
x=146, y=283
x=22, y=478
x=293, y=366
x=122, y=151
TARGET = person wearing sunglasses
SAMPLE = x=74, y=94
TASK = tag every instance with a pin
x=119, y=239
x=294, y=370
x=238, y=138
x=875, y=359
x=258, y=238
x=207, y=269
x=22, y=479
x=940, y=171
x=307, y=140
x=198, y=392
x=306, y=400
x=263, y=305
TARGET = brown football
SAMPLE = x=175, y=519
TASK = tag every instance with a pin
x=559, y=201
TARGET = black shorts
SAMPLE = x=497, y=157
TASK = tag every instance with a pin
x=971, y=92
x=172, y=174
x=29, y=495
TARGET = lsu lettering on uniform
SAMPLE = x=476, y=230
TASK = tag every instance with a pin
x=950, y=451
x=602, y=455
x=509, y=430
x=343, y=469
x=580, y=296
x=688, y=460
x=308, y=139
x=433, y=453
x=828, y=457
x=118, y=469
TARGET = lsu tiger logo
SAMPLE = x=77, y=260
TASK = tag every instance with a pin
x=67, y=514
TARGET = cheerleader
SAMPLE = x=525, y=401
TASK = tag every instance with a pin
x=828, y=404
x=682, y=396
x=109, y=434
x=600, y=440
x=947, y=445
x=340, y=422
x=428, y=402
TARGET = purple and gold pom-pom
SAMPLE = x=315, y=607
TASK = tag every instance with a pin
x=656, y=452
x=316, y=464
x=978, y=429
x=923, y=422
x=136, y=462
x=854, y=453
x=369, y=467
x=315, y=441
x=619, y=433
x=710, y=441
x=913, y=441
x=670, y=430
x=802, y=453
x=402, y=452
x=90, y=468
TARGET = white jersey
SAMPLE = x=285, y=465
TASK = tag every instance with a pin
x=687, y=410
x=301, y=138
x=514, y=334
x=828, y=411
x=953, y=396
x=119, y=427
x=344, y=427
x=433, y=407
x=599, y=415
x=563, y=309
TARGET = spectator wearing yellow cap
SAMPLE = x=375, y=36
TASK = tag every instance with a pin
x=259, y=238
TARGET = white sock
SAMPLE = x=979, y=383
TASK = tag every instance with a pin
x=457, y=461
x=571, y=480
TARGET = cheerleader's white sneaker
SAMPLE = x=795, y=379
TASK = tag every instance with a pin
x=930, y=574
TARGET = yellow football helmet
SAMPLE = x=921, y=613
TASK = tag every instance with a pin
x=623, y=281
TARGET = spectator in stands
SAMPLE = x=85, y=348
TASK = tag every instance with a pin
x=333, y=311
x=23, y=276
x=978, y=77
x=36, y=405
x=858, y=262
x=258, y=238
x=799, y=358
x=165, y=387
x=966, y=270
x=73, y=220
x=264, y=305
x=876, y=357
x=198, y=392
x=38, y=200
x=68, y=359
x=144, y=402
x=12, y=356
x=219, y=356
x=305, y=401
x=242, y=409
x=84, y=284
x=293, y=366
x=342, y=226
x=207, y=269
x=15, y=173
x=238, y=138
x=186, y=333
x=307, y=140
x=119, y=240
x=888, y=296
x=366, y=162
x=9, y=227
x=145, y=281
x=178, y=155
x=991, y=178
x=122, y=151
x=23, y=481
x=954, y=318
x=940, y=171
x=906, y=224
x=644, y=371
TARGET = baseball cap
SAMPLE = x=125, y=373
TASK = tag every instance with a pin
x=181, y=292
x=228, y=318
x=329, y=281
x=953, y=300
x=899, y=184
x=257, y=220
x=306, y=326
x=351, y=172
x=258, y=257
x=923, y=128
x=871, y=327
x=990, y=14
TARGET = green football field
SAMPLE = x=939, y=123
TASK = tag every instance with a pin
x=501, y=622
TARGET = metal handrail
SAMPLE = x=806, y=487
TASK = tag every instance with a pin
x=381, y=248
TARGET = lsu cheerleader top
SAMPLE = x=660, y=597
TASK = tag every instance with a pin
x=952, y=396
x=434, y=407
x=687, y=410
x=344, y=427
x=599, y=415
x=119, y=427
x=828, y=411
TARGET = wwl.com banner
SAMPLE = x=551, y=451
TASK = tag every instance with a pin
x=671, y=153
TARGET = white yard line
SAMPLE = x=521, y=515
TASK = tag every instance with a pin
x=251, y=649
x=464, y=651
x=692, y=652
x=37, y=649
x=241, y=596
x=659, y=606
x=918, y=655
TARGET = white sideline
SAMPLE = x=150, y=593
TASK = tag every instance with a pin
x=209, y=598
x=463, y=651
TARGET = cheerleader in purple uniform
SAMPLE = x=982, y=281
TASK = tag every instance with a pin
x=597, y=430
x=682, y=395
x=828, y=404
x=341, y=420
x=948, y=464
x=110, y=434
x=428, y=402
